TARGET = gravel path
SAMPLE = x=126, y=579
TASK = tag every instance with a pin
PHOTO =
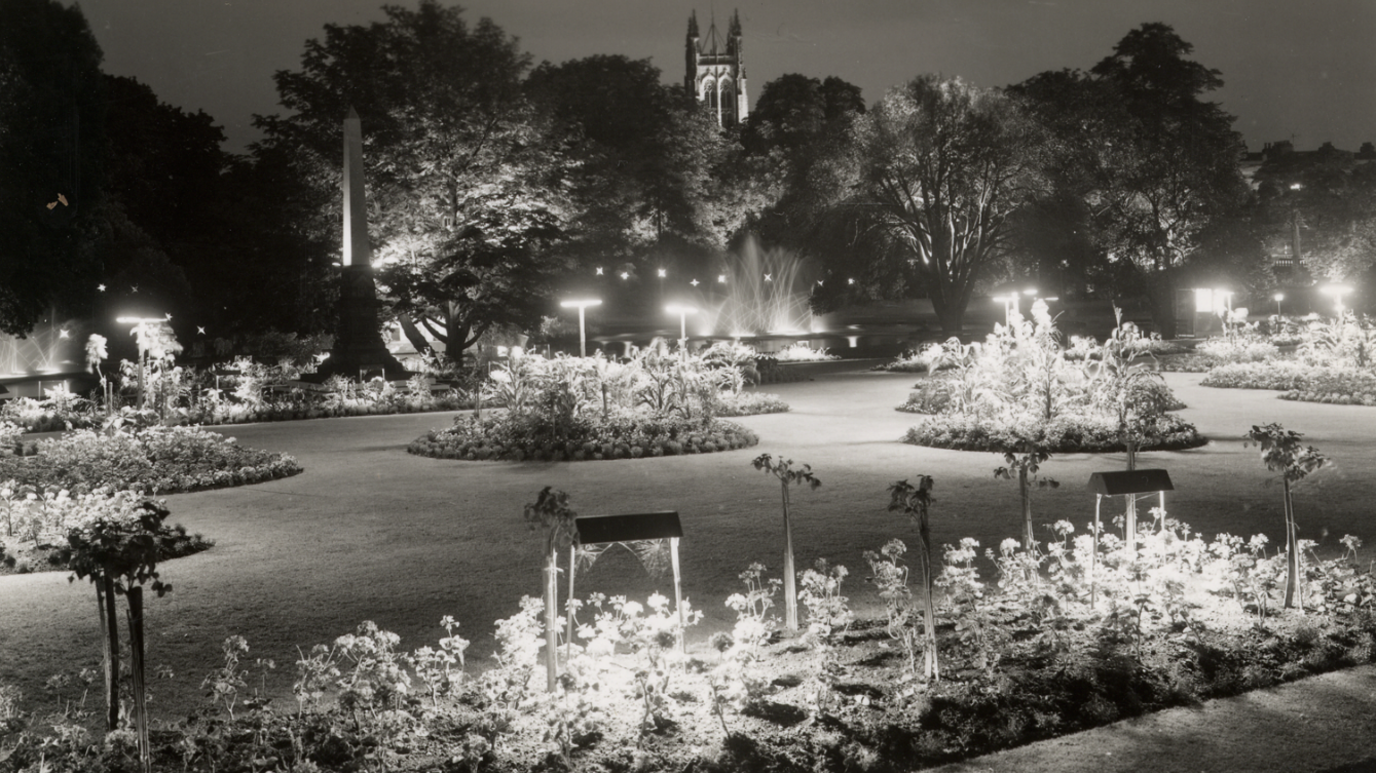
x=369, y=532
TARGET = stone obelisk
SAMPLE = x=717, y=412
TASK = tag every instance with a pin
x=358, y=348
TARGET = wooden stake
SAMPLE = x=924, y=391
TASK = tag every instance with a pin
x=678, y=596
x=109, y=628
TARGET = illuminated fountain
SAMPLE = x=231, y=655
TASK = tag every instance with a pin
x=50, y=348
x=759, y=293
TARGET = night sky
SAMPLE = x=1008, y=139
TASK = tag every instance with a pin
x=1293, y=70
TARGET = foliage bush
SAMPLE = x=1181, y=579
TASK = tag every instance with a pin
x=1019, y=386
x=1071, y=635
x=801, y=352
x=1276, y=374
x=1241, y=347
x=151, y=460
x=1063, y=434
x=530, y=437
x=243, y=391
x=661, y=403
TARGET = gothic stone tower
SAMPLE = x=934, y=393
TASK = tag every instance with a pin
x=716, y=71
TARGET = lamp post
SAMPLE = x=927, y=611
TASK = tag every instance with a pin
x=581, y=305
x=682, y=312
x=140, y=332
x=1012, y=302
x=1279, y=297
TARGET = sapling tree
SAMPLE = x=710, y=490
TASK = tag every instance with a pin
x=1135, y=395
x=1024, y=460
x=787, y=475
x=116, y=546
x=915, y=501
x=1281, y=451
x=551, y=512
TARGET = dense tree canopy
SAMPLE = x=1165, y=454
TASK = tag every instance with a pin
x=52, y=162
x=465, y=187
x=1153, y=165
x=939, y=169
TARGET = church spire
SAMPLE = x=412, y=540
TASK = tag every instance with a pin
x=715, y=71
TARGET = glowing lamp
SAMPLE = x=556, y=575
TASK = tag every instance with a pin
x=582, y=306
x=682, y=311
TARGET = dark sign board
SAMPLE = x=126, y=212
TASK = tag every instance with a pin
x=600, y=529
x=1130, y=482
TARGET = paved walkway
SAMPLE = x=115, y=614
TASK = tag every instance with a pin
x=1325, y=723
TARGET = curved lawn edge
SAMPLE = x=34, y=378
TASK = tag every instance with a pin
x=1060, y=436
x=492, y=440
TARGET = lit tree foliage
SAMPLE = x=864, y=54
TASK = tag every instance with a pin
x=463, y=183
x=942, y=167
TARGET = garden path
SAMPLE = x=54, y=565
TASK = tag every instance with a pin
x=370, y=532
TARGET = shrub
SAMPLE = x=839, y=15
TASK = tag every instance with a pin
x=1063, y=434
x=526, y=436
x=153, y=460
x=1238, y=348
x=801, y=352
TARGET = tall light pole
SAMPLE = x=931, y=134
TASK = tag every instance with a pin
x=1279, y=297
x=682, y=312
x=140, y=332
x=581, y=305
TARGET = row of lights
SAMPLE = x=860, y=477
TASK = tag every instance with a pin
x=721, y=278
x=582, y=305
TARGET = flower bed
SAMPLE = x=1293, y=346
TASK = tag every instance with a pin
x=749, y=404
x=1063, y=434
x=154, y=460
x=1340, y=386
x=1276, y=374
x=1299, y=381
x=531, y=437
x=1072, y=635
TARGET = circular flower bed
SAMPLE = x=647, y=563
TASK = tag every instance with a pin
x=532, y=438
x=1062, y=435
x=154, y=460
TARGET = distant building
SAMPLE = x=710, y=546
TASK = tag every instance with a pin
x=716, y=71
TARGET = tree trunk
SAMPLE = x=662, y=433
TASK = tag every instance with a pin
x=109, y=627
x=1292, y=562
x=931, y=667
x=551, y=619
x=413, y=334
x=790, y=583
x=1130, y=513
x=136, y=663
x=1029, y=539
x=1161, y=297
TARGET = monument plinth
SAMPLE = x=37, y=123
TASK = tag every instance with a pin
x=359, y=351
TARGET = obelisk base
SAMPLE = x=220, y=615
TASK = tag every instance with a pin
x=359, y=352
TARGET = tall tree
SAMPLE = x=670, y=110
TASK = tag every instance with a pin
x=1154, y=164
x=52, y=157
x=942, y=168
x=464, y=186
x=164, y=224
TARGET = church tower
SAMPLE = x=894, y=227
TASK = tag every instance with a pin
x=716, y=70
